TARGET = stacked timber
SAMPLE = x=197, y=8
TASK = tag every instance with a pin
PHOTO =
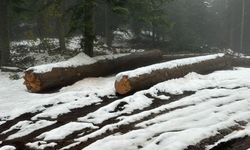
x=58, y=76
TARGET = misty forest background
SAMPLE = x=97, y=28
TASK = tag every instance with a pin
x=170, y=25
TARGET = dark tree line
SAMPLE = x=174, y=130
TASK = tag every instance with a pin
x=4, y=33
x=173, y=25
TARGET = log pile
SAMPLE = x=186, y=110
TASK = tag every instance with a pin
x=131, y=81
x=143, y=78
x=63, y=76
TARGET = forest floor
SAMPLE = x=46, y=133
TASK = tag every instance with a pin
x=196, y=112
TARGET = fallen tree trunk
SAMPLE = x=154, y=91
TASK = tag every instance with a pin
x=241, y=61
x=57, y=77
x=146, y=77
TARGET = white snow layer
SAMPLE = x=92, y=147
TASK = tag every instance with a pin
x=27, y=127
x=80, y=59
x=15, y=100
x=7, y=147
x=234, y=135
x=65, y=130
x=222, y=99
x=40, y=145
x=169, y=64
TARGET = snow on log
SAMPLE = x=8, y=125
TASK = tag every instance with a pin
x=46, y=77
x=146, y=77
x=181, y=56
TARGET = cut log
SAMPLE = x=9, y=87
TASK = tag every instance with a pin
x=57, y=77
x=241, y=61
x=145, y=77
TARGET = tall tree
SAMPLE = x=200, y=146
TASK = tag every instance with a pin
x=59, y=14
x=4, y=33
x=242, y=26
x=89, y=32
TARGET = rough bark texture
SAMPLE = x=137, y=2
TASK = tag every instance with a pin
x=89, y=33
x=60, y=26
x=241, y=62
x=127, y=85
x=4, y=33
x=58, y=77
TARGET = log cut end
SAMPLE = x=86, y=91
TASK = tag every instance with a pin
x=123, y=85
x=32, y=82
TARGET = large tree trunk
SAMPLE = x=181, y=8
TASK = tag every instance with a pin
x=42, y=26
x=89, y=33
x=60, y=26
x=241, y=61
x=242, y=26
x=4, y=34
x=143, y=78
x=58, y=77
x=108, y=33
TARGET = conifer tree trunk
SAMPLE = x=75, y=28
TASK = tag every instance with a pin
x=242, y=26
x=89, y=33
x=4, y=33
x=60, y=26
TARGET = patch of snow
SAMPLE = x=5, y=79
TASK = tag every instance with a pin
x=80, y=59
x=40, y=145
x=27, y=127
x=111, y=56
x=101, y=86
x=162, y=97
x=131, y=103
x=172, y=134
x=216, y=105
x=8, y=147
x=74, y=43
x=59, y=109
x=65, y=130
x=169, y=64
x=29, y=43
x=2, y=122
x=234, y=135
x=86, y=92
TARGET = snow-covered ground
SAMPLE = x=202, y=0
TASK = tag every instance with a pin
x=16, y=100
x=28, y=53
x=171, y=115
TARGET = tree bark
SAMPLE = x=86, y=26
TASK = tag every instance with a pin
x=59, y=77
x=60, y=26
x=241, y=62
x=125, y=84
x=89, y=33
x=4, y=34
x=242, y=26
